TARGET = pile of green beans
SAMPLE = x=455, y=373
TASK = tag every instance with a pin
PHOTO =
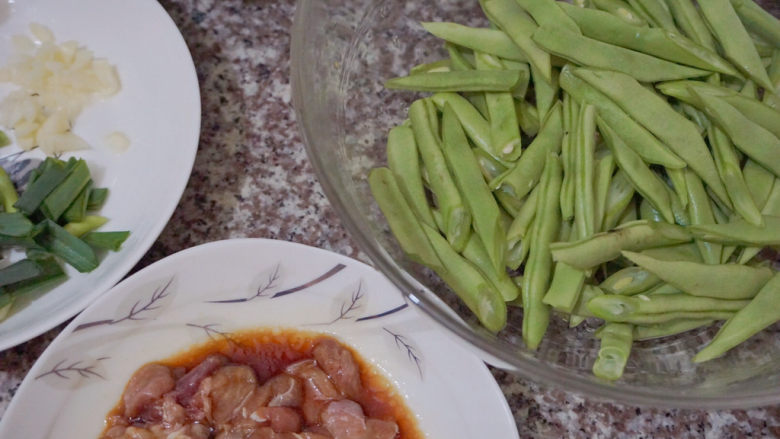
x=616, y=160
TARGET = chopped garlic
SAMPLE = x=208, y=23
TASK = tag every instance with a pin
x=57, y=82
x=117, y=142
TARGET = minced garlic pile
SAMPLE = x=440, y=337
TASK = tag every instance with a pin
x=56, y=82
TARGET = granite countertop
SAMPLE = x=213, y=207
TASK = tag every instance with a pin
x=252, y=179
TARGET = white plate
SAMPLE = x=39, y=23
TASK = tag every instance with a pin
x=159, y=110
x=214, y=289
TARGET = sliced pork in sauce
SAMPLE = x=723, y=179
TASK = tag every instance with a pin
x=312, y=390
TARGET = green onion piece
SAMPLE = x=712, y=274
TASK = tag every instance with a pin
x=51, y=273
x=68, y=247
x=88, y=224
x=19, y=271
x=57, y=202
x=14, y=224
x=6, y=302
x=7, y=191
x=51, y=173
x=97, y=197
x=106, y=240
x=78, y=209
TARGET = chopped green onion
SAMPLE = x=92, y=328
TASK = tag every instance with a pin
x=15, y=224
x=68, y=247
x=97, y=197
x=7, y=191
x=106, y=240
x=88, y=224
x=19, y=271
x=51, y=272
x=4, y=140
x=57, y=202
x=52, y=173
x=78, y=208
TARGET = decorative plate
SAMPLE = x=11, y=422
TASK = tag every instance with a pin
x=158, y=108
x=214, y=289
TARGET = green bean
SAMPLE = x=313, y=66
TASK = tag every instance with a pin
x=486, y=216
x=616, y=340
x=622, y=10
x=404, y=161
x=740, y=232
x=677, y=178
x=548, y=12
x=490, y=167
x=469, y=80
x=682, y=252
x=723, y=281
x=476, y=127
x=457, y=218
x=492, y=41
x=617, y=308
x=603, y=247
x=521, y=89
x=728, y=165
x=479, y=295
x=565, y=288
x=546, y=91
x=770, y=207
x=749, y=90
x=670, y=328
x=663, y=44
x=528, y=118
x=519, y=26
x=695, y=115
x=442, y=65
x=584, y=147
x=700, y=212
x=536, y=278
x=580, y=311
x=476, y=253
x=504, y=130
x=8, y=193
x=628, y=216
x=655, y=114
x=756, y=142
x=520, y=179
x=648, y=212
x=757, y=20
x=760, y=113
x=520, y=226
x=734, y=39
x=759, y=182
x=642, y=141
x=645, y=181
x=619, y=196
x=772, y=97
x=458, y=62
x=404, y=225
x=661, y=289
x=590, y=52
x=687, y=17
x=658, y=11
x=517, y=253
x=570, y=114
x=601, y=182
x=629, y=281
x=759, y=314
x=508, y=202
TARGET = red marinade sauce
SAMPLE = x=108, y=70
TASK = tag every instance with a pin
x=269, y=351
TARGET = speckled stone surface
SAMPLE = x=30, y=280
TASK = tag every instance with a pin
x=252, y=179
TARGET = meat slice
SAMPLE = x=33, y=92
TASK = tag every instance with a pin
x=338, y=362
x=229, y=388
x=284, y=391
x=345, y=420
x=187, y=385
x=318, y=389
x=280, y=419
x=379, y=429
x=146, y=386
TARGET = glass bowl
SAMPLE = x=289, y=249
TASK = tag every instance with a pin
x=342, y=52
